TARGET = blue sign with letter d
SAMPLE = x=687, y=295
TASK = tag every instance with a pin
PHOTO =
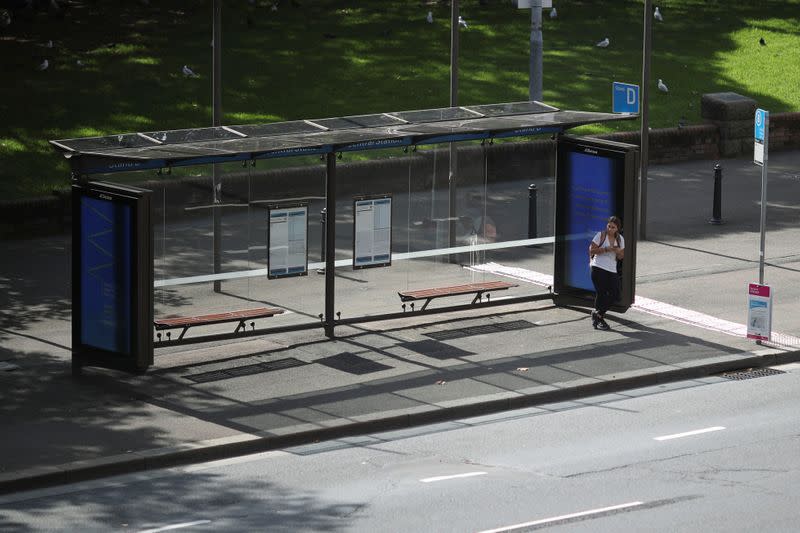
x=625, y=98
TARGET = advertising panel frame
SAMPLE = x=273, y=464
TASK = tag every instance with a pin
x=379, y=263
x=624, y=160
x=270, y=209
x=138, y=273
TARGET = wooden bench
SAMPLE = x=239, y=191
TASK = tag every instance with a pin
x=478, y=289
x=241, y=317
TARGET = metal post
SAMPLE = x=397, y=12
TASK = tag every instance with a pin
x=322, y=222
x=532, y=211
x=216, y=183
x=645, y=131
x=535, y=83
x=330, y=242
x=761, y=254
x=716, y=216
x=453, y=103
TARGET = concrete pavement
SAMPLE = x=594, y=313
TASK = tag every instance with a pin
x=217, y=400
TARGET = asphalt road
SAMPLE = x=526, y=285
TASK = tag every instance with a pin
x=706, y=455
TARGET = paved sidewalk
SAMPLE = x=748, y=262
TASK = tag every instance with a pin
x=217, y=400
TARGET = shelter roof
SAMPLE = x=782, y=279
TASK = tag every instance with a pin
x=196, y=146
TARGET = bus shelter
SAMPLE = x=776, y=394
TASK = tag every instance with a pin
x=200, y=234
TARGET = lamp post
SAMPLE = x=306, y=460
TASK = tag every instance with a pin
x=453, y=165
x=216, y=184
x=645, y=131
x=535, y=83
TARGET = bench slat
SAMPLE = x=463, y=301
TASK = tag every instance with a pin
x=218, y=318
x=469, y=288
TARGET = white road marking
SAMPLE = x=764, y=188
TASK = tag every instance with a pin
x=454, y=476
x=689, y=433
x=176, y=526
x=564, y=517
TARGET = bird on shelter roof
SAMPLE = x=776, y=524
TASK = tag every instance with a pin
x=662, y=86
x=604, y=43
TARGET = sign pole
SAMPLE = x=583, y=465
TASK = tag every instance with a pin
x=763, y=199
x=645, y=116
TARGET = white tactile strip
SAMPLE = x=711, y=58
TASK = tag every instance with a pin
x=646, y=305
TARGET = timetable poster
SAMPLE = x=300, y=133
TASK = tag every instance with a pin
x=372, y=241
x=288, y=241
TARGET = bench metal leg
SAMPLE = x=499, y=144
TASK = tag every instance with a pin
x=477, y=298
x=241, y=326
x=185, y=329
x=425, y=304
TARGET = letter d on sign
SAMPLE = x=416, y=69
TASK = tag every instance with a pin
x=630, y=95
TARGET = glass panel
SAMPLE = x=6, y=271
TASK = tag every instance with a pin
x=191, y=135
x=185, y=252
x=432, y=115
x=361, y=121
x=276, y=128
x=512, y=169
x=512, y=108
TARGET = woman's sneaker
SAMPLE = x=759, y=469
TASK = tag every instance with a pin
x=595, y=319
x=602, y=324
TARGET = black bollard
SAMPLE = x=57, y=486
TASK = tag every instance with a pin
x=532, y=211
x=716, y=217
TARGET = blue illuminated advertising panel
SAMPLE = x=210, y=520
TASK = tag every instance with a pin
x=595, y=179
x=112, y=277
x=105, y=274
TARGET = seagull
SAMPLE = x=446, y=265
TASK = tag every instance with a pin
x=462, y=22
x=43, y=65
x=429, y=18
x=762, y=42
x=553, y=13
x=662, y=86
x=79, y=63
x=657, y=15
x=189, y=72
x=274, y=7
x=49, y=44
x=5, y=18
x=604, y=43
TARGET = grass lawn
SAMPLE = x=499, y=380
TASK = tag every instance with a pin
x=115, y=66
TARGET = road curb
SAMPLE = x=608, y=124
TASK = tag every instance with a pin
x=245, y=444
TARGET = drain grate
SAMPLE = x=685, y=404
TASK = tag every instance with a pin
x=483, y=329
x=751, y=373
x=246, y=370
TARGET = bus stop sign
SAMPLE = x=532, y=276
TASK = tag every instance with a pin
x=625, y=98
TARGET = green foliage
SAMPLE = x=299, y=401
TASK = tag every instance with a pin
x=319, y=58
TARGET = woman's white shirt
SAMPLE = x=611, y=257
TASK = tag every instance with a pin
x=607, y=261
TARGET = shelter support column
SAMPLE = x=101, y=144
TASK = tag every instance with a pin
x=330, y=242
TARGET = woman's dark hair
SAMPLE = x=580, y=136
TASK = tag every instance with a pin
x=614, y=219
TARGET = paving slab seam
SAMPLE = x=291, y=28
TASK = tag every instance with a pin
x=245, y=444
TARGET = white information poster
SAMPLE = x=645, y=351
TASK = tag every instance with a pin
x=759, y=312
x=372, y=241
x=288, y=241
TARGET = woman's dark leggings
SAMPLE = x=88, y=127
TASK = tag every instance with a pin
x=606, y=286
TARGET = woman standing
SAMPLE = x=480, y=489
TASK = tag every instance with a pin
x=607, y=247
